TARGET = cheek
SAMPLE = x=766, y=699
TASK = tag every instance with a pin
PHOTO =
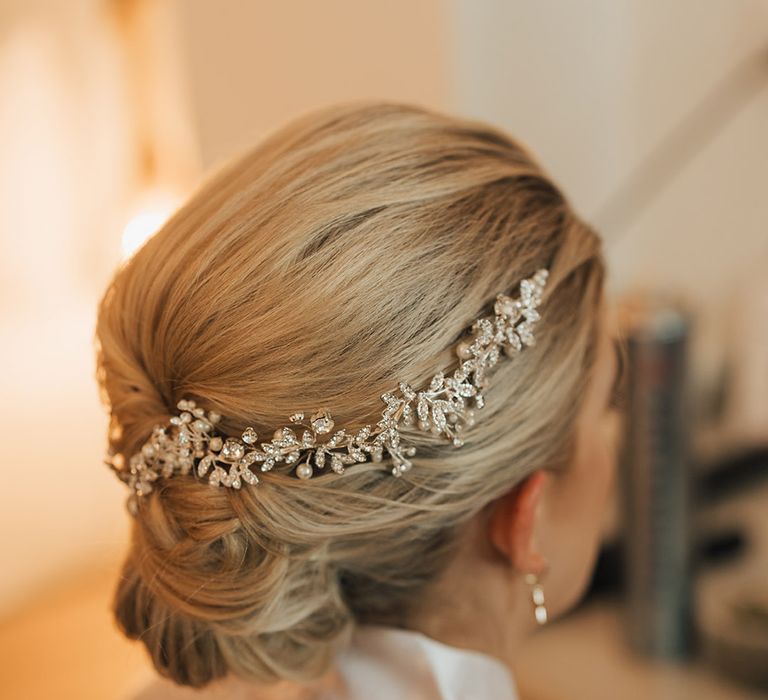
x=580, y=505
x=598, y=468
x=581, y=500
x=612, y=431
x=594, y=469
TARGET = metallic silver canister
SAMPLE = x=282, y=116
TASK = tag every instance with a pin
x=655, y=475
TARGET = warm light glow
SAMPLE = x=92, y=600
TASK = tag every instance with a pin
x=153, y=210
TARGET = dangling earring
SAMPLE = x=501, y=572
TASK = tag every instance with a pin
x=537, y=595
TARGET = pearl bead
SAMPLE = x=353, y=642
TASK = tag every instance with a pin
x=304, y=471
x=463, y=351
x=507, y=307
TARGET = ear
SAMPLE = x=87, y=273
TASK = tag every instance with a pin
x=513, y=521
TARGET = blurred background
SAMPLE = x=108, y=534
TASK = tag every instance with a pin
x=652, y=116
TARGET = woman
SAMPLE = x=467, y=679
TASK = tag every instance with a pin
x=352, y=250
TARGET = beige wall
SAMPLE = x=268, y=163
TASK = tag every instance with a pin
x=256, y=64
x=594, y=87
x=65, y=167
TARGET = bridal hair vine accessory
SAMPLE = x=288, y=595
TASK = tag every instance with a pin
x=440, y=408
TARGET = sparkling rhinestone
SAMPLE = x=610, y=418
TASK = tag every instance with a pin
x=524, y=331
x=407, y=391
x=531, y=315
x=514, y=340
x=508, y=307
x=437, y=381
x=250, y=436
x=321, y=423
x=527, y=290
x=232, y=450
x=336, y=464
x=249, y=477
x=204, y=465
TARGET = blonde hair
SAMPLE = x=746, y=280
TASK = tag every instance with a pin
x=345, y=252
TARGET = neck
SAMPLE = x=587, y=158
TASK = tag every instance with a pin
x=478, y=604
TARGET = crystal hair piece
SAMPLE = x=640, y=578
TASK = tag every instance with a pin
x=440, y=408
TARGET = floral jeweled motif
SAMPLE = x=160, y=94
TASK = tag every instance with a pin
x=445, y=407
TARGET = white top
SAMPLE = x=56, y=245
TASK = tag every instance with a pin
x=383, y=663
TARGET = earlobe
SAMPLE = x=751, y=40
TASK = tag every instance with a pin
x=513, y=523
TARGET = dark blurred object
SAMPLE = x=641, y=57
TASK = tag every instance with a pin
x=728, y=477
x=655, y=476
x=732, y=474
x=714, y=548
x=732, y=600
x=733, y=628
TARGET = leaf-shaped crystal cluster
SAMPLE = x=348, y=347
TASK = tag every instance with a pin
x=445, y=407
